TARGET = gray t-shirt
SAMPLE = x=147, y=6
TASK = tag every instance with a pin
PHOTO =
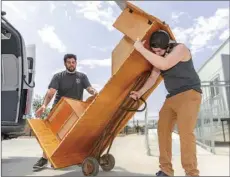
x=69, y=85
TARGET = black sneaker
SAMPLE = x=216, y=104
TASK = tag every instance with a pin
x=40, y=164
x=161, y=173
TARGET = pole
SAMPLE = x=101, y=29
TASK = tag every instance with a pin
x=122, y=4
x=146, y=132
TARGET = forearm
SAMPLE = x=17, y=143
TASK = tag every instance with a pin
x=47, y=99
x=91, y=90
x=150, y=81
x=154, y=59
x=148, y=84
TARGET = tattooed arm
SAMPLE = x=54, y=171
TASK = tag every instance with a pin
x=49, y=95
x=91, y=90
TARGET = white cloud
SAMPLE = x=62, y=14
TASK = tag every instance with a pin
x=49, y=37
x=15, y=6
x=206, y=29
x=95, y=11
x=176, y=16
x=224, y=35
x=213, y=47
x=80, y=69
x=63, y=4
x=92, y=63
x=58, y=70
x=33, y=8
x=68, y=16
x=103, y=49
x=181, y=34
x=203, y=30
x=52, y=7
x=112, y=3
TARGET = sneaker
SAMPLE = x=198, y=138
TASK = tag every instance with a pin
x=161, y=173
x=41, y=163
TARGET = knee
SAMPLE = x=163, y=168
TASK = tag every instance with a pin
x=187, y=136
x=162, y=129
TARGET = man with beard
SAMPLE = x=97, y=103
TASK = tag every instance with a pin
x=69, y=83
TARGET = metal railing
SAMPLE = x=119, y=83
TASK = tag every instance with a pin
x=214, y=119
x=151, y=139
x=213, y=122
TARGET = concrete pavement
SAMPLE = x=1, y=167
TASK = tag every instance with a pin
x=19, y=155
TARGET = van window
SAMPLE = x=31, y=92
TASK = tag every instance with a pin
x=10, y=70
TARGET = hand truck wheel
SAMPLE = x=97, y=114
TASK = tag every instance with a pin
x=90, y=167
x=107, y=162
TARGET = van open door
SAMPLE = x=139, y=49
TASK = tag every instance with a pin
x=17, y=80
x=29, y=78
x=11, y=73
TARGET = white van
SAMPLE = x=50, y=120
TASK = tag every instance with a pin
x=17, y=80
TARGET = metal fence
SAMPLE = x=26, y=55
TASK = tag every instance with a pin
x=213, y=122
x=151, y=139
x=214, y=119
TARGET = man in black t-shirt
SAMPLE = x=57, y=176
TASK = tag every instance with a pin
x=69, y=83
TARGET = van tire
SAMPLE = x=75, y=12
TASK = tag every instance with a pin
x=2, y=136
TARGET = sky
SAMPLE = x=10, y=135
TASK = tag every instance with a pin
x=85, y=29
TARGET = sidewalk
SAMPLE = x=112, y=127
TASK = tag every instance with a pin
x=208, y=163
x=19, y=155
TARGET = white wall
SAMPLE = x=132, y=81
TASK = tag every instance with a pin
x=214, y=65
x=210, y=70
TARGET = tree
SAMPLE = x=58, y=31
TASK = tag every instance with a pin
x=37, y=103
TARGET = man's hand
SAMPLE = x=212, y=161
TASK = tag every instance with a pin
x=135, y=94
x=92, y=91
x=40, y=111
x=138, y=45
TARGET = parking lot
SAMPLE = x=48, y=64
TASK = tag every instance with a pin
x=19, y=156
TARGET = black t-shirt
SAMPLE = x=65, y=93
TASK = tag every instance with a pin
x=70, y=85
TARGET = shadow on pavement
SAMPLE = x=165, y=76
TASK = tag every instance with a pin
x=23, y=166
x=18, y=166
x=117, y=171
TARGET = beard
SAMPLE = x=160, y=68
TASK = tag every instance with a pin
x=71, y=69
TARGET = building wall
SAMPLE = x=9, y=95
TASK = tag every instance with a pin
x=226, y=64
x=226, y=68
x=213, y=66
x=217, y=67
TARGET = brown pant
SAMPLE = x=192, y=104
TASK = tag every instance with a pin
x=182, y=109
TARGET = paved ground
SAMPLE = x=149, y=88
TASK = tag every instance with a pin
x=19, y=155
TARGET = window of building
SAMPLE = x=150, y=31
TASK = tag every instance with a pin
x=214, y=86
